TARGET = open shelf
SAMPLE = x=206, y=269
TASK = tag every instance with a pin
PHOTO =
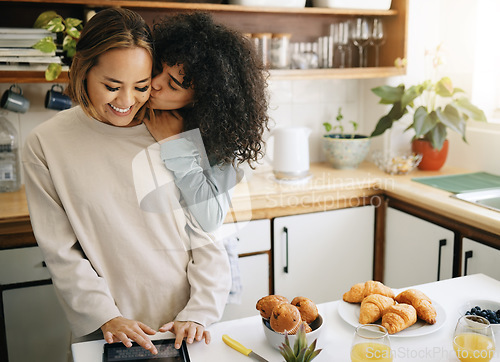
x=305, y=25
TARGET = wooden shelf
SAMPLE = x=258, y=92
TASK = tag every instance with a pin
x=305, y=25
x=137, y=4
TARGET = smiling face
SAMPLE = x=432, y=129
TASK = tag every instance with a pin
x=119, y=85
x=167, y=92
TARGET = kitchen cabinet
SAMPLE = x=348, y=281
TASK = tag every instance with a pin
x=34, y=323
x=321, y=255
x=416, y=251
x=480, y=258
x=305, y=24
x=254, y=250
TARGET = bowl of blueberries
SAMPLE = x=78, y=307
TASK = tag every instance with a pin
x=488, y=309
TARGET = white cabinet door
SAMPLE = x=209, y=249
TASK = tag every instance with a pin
x=254, y=242
x=416, y=251
x=36, y=327
x=479, y=258
x=255, y=284
x=321, y=255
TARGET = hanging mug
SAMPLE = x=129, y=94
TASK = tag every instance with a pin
x=55, y=99
x=14, y=101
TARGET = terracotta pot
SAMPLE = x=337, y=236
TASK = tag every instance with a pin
x=432, y=159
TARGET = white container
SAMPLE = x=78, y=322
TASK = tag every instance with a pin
x=10, y=165
x=290, y=156
x=353, y=4
x=271, y=3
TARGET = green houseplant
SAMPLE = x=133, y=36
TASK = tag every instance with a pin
x=435, y=107
x=344, y=150
x=68, y=31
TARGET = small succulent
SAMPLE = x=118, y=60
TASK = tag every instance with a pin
x=339, y=118
x=300, y=351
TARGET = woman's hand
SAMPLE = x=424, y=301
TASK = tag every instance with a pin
x=164, y=124
x=190, y=330
x=123, y=330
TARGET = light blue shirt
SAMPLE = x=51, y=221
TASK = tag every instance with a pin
x=206, y=189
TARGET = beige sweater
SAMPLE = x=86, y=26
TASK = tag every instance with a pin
x=110, y=223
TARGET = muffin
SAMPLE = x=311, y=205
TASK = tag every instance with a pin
x=285, y=318
x=307, y=308
x=266, y=304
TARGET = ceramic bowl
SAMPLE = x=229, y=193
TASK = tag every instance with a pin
x=396, y=164
x=276, y=339
x=345, y=153
x=483, y=304
x=275, y=3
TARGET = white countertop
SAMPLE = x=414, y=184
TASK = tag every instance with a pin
x=336, y=336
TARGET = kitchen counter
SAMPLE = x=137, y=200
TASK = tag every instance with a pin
x=336, y=336
x=328, y=188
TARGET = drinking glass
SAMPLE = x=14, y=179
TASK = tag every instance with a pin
x=473, y=339
x=371, y=343
x=377, y=37
x=360, y=37
x=340, y=35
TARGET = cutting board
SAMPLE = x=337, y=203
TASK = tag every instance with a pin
x=462, y=182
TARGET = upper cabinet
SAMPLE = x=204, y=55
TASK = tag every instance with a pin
x=305, y=25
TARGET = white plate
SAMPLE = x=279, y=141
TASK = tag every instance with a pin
x=350, y=313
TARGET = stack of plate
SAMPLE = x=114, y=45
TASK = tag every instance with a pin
x=354, y=4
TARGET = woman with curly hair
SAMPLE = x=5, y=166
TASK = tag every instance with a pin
x=214, y=79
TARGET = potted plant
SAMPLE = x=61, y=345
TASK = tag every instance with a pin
x=435, y=107
x=68, y=31
x=344, y=150
x=300, y=352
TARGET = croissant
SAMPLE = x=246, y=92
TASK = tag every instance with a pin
x=355, y=294
x=372, y=308
x=362, y=290
x=398, y=317
x=421, y=302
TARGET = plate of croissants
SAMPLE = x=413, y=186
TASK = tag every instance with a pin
x=404, y=313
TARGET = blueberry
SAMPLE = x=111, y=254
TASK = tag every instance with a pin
x=477, y=307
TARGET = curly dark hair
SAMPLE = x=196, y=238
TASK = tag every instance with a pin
x=230, y=99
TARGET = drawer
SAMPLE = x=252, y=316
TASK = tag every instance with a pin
x=22, y=265
x=253, y=235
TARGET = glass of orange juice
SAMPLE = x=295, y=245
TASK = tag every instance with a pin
x=473, y=339
x=371, y=343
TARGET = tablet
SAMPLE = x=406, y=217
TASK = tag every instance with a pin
x=117, y=352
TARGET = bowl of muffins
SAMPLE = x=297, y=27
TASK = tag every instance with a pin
x=281, y=317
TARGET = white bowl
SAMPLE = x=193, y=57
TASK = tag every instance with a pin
x=271, y=3
x=483, y=304
x=345, y=153
x=354, y=4
x=276, y=339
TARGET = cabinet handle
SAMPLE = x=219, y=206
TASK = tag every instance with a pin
x=468, y=255
x=442, y=243
x=285, y=262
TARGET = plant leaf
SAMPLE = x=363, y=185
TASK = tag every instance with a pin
x=410, y=95
x=444, y=87
x=383, y=125
x=423, y=122
x=45, y=45
x=72, y=22
x=55, y=25
x=52, y=72
x=452, y=119
x=437, y=136
x=44, y=18
x=69, y=46
x=328, y=126
x=389, y=94
x=73, y=32
x=465, y=106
